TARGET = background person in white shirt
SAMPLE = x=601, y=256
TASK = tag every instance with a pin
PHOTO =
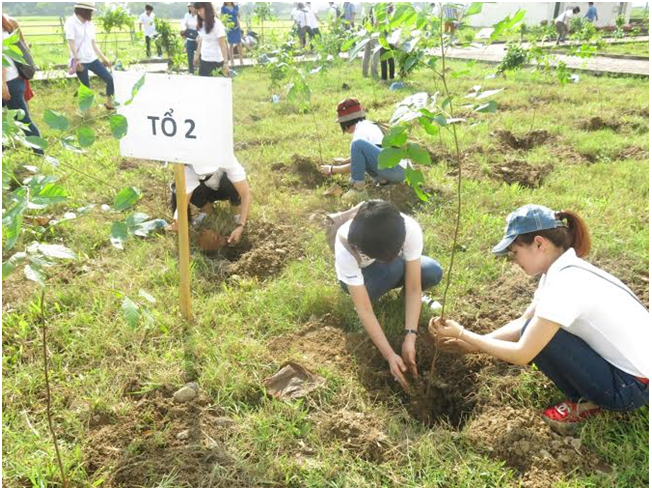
x=86, y=54
x=212, y=49
x=366, y=145
x=313, y=23
x=584, y=329
x=378, y=250
x=148, y=27
x=562, y=23
x=224, y=184
x=190, y=33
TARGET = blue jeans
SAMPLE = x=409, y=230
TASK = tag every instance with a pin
x=364, y=159
x=17, y=101
x=191, y=47
x=581, y=373
x=379, y=278
x=100, y=70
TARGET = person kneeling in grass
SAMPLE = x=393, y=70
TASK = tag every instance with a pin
x=585, y=330
x=224, y=184
x=377, y=250
x=365, y=148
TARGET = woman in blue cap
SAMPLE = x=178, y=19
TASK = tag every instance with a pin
x=585, y=330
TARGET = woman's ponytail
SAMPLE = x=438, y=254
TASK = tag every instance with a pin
x=578, y=232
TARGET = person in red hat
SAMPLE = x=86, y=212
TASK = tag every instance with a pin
x=365, y=148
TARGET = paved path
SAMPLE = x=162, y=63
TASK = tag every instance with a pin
x=600, y=64
x=492, y=53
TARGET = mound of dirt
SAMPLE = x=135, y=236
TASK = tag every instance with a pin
x=358, y=432
x=306, y=171
x=155, y=438
x=528, y=141
x=521, y=439
x=520, y=172
x=264, y=250
x=598, y=123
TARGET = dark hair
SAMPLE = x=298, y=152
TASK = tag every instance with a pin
x=149, y=7
x=346, y=125
x=84, y=13
x=574, y=234
x=378, y=230
x=590, y=3
x=209, y=11
x=576, y=10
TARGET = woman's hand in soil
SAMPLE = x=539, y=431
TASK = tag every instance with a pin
x=397, y=368
x=440, y=328
x=5, y=92
x=455, y=346
x=234, y=238
x=409, y=354
x=326, y=169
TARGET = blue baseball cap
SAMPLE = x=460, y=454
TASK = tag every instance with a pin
x=528, y=218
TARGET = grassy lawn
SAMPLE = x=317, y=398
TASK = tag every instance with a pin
x=633, y=48
x=112, y=385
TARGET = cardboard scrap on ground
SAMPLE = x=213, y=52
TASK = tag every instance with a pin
x=292, y=381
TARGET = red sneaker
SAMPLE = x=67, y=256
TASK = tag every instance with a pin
x=565, y=417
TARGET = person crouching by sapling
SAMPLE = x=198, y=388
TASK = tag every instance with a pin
x=366, y=146
x=585, y=330
x=377, y=249
x=204, y=190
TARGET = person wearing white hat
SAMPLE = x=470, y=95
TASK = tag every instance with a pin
x=85, y=53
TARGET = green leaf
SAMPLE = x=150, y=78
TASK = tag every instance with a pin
x=85, y=136
x=145, y=228
x=12, y=223
x=359, y=47
x=418, y=154
x=390, y=157
x=441, y=120
x=415, y=179
x=489, y=107
x=48, y=194
x=146, y=296
x=118, y=125
x=135, y=89
x=85, y=97
x=56, y=120
x=474, y=9
x=131, y=312
x=396, y=137
x=119, y=234
x=430, y=129
x=126, y=198
x=56, y=251
x=12, y=263
x=37, y=142
x=69, y=143
x=34, y=274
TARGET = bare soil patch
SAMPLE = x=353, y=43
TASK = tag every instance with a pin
x=598, y=123
x=517, y=171
x=525, y=142
x=156, y=438
x=303, y=171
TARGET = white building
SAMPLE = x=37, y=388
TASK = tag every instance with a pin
x=493, y=12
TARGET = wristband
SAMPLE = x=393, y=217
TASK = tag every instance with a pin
x=410, y=331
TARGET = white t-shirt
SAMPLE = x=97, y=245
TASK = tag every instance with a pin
x=83, y=33
x=566, y=16
x=11, y=73
x=210, y=46
x=235, y=174
x=602, y=314
x=313, y=23
x=189, y=22
x=370, y=132
x=301, y=17
x=149, y=28
x=346, y=266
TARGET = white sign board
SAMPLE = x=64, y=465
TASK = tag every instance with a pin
x=178, y=119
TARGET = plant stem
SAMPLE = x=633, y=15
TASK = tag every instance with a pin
x=48, y=395
x=314, y=120
x=459, y=202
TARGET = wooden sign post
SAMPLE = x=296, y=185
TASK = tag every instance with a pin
x=185, y=120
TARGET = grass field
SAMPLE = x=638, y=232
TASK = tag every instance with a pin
x=580, y=146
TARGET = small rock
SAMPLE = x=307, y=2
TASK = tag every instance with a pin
x=576, y=443
x=225, y=422
x=186, y=393
x=183, y=435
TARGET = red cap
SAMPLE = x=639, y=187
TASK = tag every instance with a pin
x=349, y=109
